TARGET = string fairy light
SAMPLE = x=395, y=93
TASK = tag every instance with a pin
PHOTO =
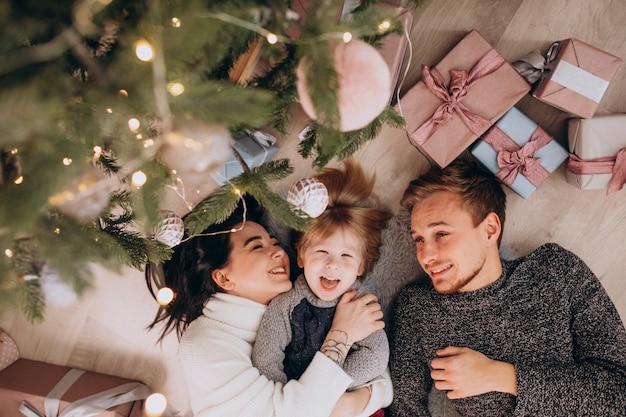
x=144, y=50
x=155, y=405
x=347, y=37
x=8, y=253
x=165, y=296
x=138, y=179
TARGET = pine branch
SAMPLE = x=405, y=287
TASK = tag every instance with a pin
x=31, y=300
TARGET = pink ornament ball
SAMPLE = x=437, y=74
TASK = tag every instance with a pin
x=364, y=84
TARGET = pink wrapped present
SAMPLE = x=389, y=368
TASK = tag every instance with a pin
x=460, y=98
x=33, y=388
x=598, y=152
x=576, y=77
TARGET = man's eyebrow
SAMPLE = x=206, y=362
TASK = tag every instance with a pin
x=250, y=240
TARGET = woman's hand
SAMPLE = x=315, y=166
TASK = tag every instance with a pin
x=354, y=320
x=352, y=403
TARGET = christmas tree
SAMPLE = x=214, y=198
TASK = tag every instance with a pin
x=106, y=103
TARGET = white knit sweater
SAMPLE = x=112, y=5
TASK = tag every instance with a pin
x=215, y=354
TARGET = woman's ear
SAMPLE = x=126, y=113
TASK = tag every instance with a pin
x=222, y=280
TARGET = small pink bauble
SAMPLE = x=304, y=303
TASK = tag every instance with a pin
x=364, y=84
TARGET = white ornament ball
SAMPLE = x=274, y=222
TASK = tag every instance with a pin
x=87, y=196
x=56, y=292
x=364, y=84
x=309, y=195
x=196, y=149
x=170, y=230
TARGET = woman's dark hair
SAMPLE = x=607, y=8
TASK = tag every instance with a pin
x=188, y=271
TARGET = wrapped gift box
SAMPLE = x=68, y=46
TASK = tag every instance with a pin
x=33, y=381
x=518, y=129
x=394, y=46
x=577, y=77
x=438, y=123
x=253, y=151
x=601, y=137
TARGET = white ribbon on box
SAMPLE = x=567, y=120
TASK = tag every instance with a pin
x=580, y=81
x=88, y=406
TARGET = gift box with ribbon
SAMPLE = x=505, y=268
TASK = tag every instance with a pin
x=519, y=152
x=598, y=152
x=457, y=100
x=576, y=76
x=38, y=389
x=255, y=149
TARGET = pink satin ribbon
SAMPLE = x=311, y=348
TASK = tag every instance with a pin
x=610, y=165
x=453, y=94
x=513, y=159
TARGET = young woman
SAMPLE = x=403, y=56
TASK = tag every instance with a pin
x=223, y=281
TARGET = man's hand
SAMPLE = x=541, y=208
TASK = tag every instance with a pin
x=463, y=372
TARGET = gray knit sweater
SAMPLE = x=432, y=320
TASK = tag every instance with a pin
x=293, y=329
x=547, y=314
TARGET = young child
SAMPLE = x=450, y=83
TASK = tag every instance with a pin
x=340, y=247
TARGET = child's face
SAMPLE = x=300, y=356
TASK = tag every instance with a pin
x=332, y=265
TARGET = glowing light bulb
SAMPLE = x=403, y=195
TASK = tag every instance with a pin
x=144, y=51
x=123, y=92
x=97, y=152
x=8, y=253
x=67, y=161
x=19, y=180
x=57, y=231
x=133, y=125
x=237, y=191
x=384, y=25
x=176, y=22
x=148, y=143
x=347, y=37
x=176, y=89
x=14, y=151
x=155, y=405
x=165, y=296
x=138, y=179
x=272, y=38
x=109, y=110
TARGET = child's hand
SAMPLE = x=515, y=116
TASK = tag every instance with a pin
x=358, y=317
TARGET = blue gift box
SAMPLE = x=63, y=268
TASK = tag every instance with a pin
x=254, y=152
x=519, y=127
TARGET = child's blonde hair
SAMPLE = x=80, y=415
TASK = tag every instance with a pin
x=351, y=207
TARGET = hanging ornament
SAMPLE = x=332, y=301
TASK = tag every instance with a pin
x=364, y=84
x=56, y=292
x=87, y=196
x=170, y=230
x=195, y=150
x=309, y=195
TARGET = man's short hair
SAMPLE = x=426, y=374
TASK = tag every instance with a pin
x=479, y=190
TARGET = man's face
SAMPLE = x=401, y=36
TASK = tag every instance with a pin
x=457, y=255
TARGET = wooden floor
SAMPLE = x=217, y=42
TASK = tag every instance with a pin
x=105, y=332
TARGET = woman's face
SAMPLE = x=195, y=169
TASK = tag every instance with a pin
x=257, y=268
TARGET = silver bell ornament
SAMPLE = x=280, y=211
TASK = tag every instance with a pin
x=170, y=230
x=309, y=195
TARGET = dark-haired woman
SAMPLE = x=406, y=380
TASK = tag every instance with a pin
x=223, y=283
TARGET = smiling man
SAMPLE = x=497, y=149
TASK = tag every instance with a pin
x=536, y=336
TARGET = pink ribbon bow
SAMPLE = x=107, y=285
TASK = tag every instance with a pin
x=609, y=165
x=513, y=159
x=453, y=94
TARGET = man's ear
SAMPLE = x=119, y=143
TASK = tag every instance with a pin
x=493, y=227
x=222, y=280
